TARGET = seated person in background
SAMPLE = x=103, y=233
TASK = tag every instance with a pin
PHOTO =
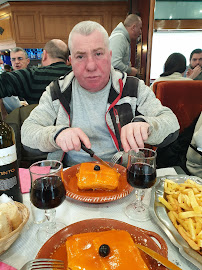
x=194, y=153
x=7, y=68
x=174, y=68
x=19, y=60
x=97, y=105
x=31, y=82
x=194, y=70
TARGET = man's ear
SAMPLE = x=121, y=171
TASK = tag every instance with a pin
x=28, y=61
x=44, y=57
x=133, y=26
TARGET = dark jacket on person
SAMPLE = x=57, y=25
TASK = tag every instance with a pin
x=30, y=83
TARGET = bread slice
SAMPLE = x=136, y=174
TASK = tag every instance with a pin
x=13, y=213
x=5, y=225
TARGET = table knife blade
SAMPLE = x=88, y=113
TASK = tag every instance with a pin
x=92, y=154
x=164, y=261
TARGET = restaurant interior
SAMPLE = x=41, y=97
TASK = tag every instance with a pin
x=84, y=221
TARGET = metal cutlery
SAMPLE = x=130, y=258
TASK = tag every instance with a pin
x=43, y=264
x=92, y=154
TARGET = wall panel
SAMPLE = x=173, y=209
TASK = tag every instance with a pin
x=35, y=23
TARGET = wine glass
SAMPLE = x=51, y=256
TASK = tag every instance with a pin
x=141, y=174
x=47, y=192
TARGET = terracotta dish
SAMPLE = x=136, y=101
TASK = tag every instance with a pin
x=55, y=246
x=96, y=196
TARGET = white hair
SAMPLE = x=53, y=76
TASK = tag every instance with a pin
x=86, y=28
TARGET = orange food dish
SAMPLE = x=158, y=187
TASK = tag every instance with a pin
x=83, y=251
x=96, y=176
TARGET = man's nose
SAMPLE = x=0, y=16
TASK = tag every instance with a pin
x=91, y=64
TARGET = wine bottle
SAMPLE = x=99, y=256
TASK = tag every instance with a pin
x=9, y=171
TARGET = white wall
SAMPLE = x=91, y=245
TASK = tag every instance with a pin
x=168, y=42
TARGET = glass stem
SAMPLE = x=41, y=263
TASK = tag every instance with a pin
x=50, y=215
x=139, y=195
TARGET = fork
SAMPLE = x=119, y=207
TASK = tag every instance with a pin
x=43, y=264
x=121, y=154
x=116, y=158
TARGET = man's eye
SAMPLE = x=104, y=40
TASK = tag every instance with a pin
x=12, y=59
x=98, y=53
x=79, y=56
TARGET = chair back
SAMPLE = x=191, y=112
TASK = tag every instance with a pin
x=184, y=98
x=15, y=119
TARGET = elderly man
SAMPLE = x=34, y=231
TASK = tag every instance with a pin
x=97, y=105
x=31, y=82
x=19, y=58
x=120, y=43
x=194, y=70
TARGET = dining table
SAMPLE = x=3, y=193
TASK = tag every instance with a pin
x=27, y=246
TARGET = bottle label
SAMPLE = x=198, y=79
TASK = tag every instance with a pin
x=8, y=155
x=8, y=176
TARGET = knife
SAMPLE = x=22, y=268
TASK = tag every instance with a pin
x=164, y=261
x=92, y=154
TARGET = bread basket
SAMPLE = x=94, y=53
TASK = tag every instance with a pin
x=9, y=239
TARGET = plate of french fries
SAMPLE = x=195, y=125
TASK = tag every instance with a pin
x=176, y=206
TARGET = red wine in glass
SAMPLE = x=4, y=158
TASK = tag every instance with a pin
x=141, y=175
x=47, y=192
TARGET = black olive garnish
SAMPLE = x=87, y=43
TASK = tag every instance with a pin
x=104, y=250
x=96, y=168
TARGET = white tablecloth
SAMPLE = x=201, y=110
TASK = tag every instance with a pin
x=26, y=246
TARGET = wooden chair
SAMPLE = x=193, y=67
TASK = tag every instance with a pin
x=184, y=98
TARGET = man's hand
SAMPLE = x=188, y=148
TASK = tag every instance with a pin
x=134, y=135
x=70, y=139
x=133, y=72
x=193, y=73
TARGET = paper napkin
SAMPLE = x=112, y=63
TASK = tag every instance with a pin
x=25, y=179
x=4, y=266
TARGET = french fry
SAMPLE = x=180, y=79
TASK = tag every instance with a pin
x=186, y=236
x=167, y=204
x=193, y=201
x=184, y=204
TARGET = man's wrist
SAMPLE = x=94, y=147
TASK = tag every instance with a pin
x=55, y=137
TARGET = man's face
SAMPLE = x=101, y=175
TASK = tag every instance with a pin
x=18, y=60
x=196, y=60
x=136, y=30
x=91, y=61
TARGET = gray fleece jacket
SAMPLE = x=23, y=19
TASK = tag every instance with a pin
x=119, y=43
x=194, y=158
x=129, y=100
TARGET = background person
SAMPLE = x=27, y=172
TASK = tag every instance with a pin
x=19, y=58
x=194, y=70
x=97, y=105
x=174, y=68
x=120, y=43
x=31, y=82
x=194, y=153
